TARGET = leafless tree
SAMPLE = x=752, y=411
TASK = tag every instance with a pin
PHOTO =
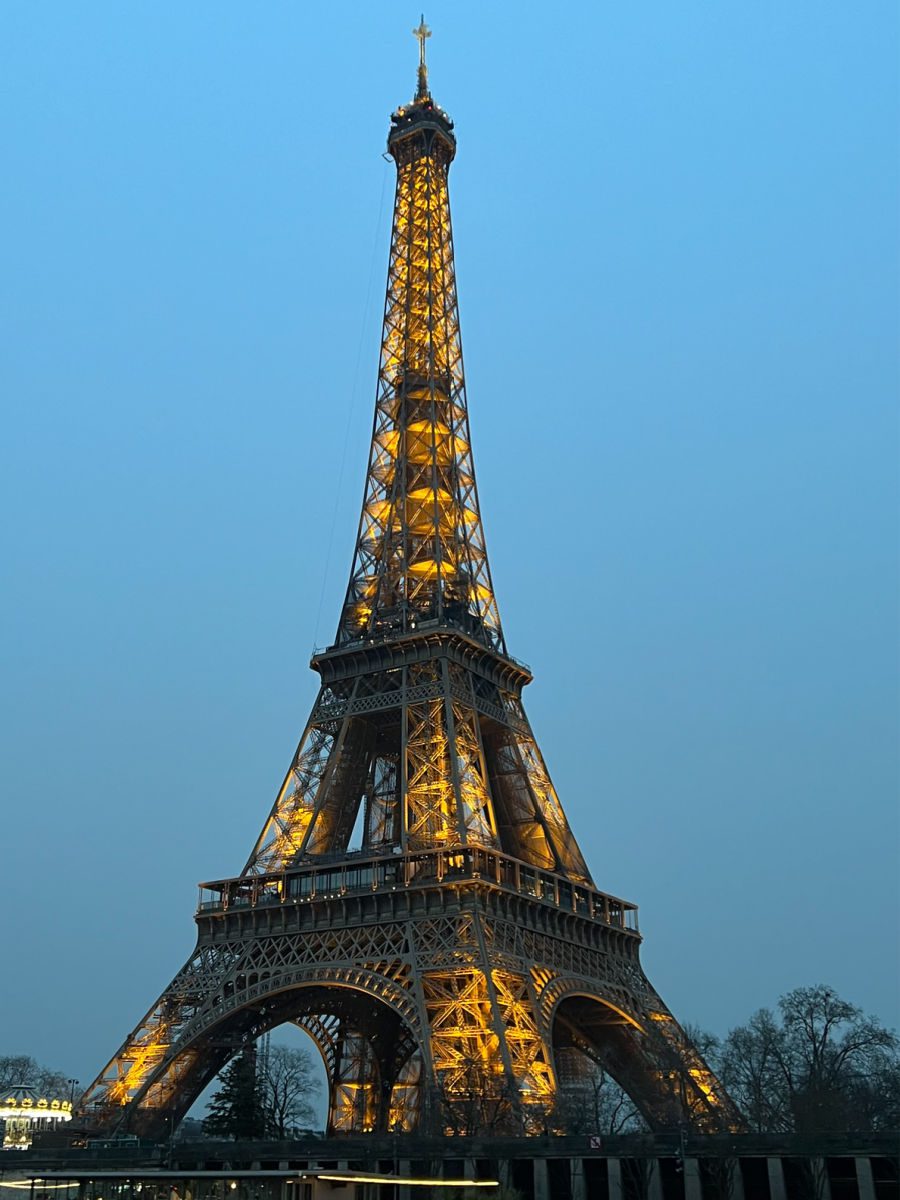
x=288, y=1083
x=22, y=1069
x=596, y=1104
x=706, y=1044
x=820, y=1065
x=751, y=1073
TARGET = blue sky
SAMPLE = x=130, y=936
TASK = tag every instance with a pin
x=677, y=252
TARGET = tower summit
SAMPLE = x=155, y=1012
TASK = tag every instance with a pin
x=422, y=33
x=461, y=948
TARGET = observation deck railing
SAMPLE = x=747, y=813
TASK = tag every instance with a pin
x=391, y=636
x=335, y=876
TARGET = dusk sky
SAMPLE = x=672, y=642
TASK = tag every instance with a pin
x=677, y=247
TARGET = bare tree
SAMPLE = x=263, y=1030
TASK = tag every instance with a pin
x=22, y=1069
x=595, y=1103
x=288, y=1083
x=751, y=1073
x=705, y=1043
x=821, y=1065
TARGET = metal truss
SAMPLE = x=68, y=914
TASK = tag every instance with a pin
x=420, y=992
x=420, y=552
x=462, y=950
x=438, y=754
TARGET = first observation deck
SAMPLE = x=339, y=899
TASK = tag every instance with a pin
x=332, y=877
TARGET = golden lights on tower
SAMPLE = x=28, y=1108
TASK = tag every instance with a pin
x=420, y=548
x=437, y=953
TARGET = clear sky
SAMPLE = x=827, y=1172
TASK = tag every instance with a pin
x=676, y=233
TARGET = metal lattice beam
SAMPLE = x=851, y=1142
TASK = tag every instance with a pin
x=464, y=944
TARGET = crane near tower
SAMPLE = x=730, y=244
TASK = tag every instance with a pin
x=464, y=950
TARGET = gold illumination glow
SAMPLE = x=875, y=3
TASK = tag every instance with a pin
x=464, y=1017
x=57, y=1110
x=39, y=1185
x=419, y=727
x=420, y=544
x=138, y=1062
x=429, y=794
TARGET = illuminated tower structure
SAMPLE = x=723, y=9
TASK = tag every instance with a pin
x=464, y=949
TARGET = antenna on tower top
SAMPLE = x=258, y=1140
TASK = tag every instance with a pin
x=422, y=33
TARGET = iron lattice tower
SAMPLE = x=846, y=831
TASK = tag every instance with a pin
x=463, y=955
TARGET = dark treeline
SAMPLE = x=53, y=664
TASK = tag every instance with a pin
x=816, y=1064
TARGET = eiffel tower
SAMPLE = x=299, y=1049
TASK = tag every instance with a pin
x=463, y=953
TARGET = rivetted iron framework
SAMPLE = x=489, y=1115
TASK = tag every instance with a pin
x=464, y=948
